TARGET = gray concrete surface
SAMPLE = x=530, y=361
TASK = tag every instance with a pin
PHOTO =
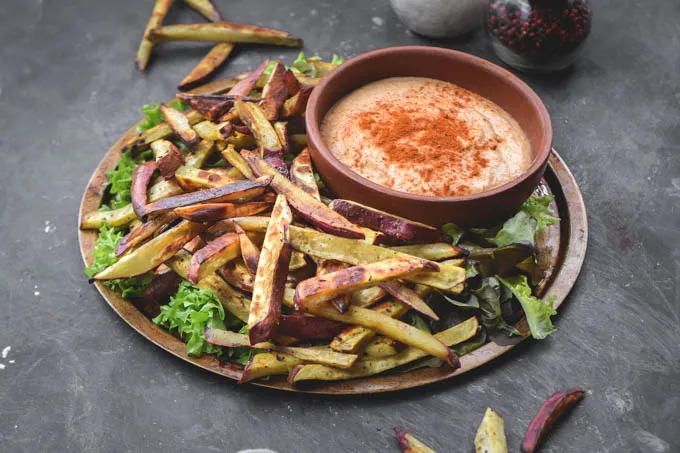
x=77, y=378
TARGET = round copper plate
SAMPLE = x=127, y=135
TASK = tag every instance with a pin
x=562, y=250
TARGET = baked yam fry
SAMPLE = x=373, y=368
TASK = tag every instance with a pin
x=199, y=155
x=307, y=206
x=391, y=328
x=317, y=290
x=409, y=297
x=235, y=192
x=297, y=104
x=160, y=10
x=265, y=308
x=302, y=174
x=369, y=367
x=263, y=131
x=274, y=93
x=206, y=9
x=321, y=355
x=143, y=232
x=224, y=32
x=552, y=410
x=164, y=188
x=234, y=158
x=114, y=218
x=212, y=212
x=168, y=157
x=410, y=444
x=193, y=179
x=232, y=300
x=367, y=296
x=354, y=338
x=141, y=177
x=213, y=256
x=180, y=125
x=281, y=128
x=309, y=327
x=342, y=302
x=382, y=347
x=490, y=437
x=152, y=253
x=351, y=251
x=268, y=364
x=436, y=251
x=163, y=130
x=236, y=274
x=249, y=251
x=389, y=224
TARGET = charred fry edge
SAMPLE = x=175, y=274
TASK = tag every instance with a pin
x=249, y=251
x=317, y=290
x=238, y=191
x=307, y=206
x=212, y=212
x=270, y=279
x=141, y=177
x=388, y=224
x=302, y=174
x=144, y=231
x=180, y=125
x=212, y=256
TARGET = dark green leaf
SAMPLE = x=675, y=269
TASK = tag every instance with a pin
x=537, y=312
x=501, y=260
x=419, y=323
x=454, y=231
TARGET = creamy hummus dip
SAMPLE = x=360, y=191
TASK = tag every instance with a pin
x=426, y=136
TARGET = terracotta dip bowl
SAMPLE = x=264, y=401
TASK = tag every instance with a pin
x=470, y=72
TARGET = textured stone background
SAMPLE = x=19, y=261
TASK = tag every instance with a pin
x=77, y=378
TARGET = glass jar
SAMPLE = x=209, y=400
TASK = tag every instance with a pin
x=538, y=36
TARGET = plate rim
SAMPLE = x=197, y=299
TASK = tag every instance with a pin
x=575, y=231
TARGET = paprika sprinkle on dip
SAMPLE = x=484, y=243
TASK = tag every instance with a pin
x=427, y=137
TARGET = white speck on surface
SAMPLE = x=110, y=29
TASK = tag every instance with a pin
x=11, y=361
x=5, y=351
x=49, y=228
x=378, y=21
x=313, y=12
x=291, y=14
x=2, y=367
x=36, y=293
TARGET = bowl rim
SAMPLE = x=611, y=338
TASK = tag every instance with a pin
x=313, y=121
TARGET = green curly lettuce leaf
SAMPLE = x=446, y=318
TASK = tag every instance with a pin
x=537, y=312
x=190, y=310
x=104, y=255
x=120, y=179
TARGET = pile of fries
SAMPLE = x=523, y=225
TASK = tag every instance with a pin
x=323, y=284
x=224, y=33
